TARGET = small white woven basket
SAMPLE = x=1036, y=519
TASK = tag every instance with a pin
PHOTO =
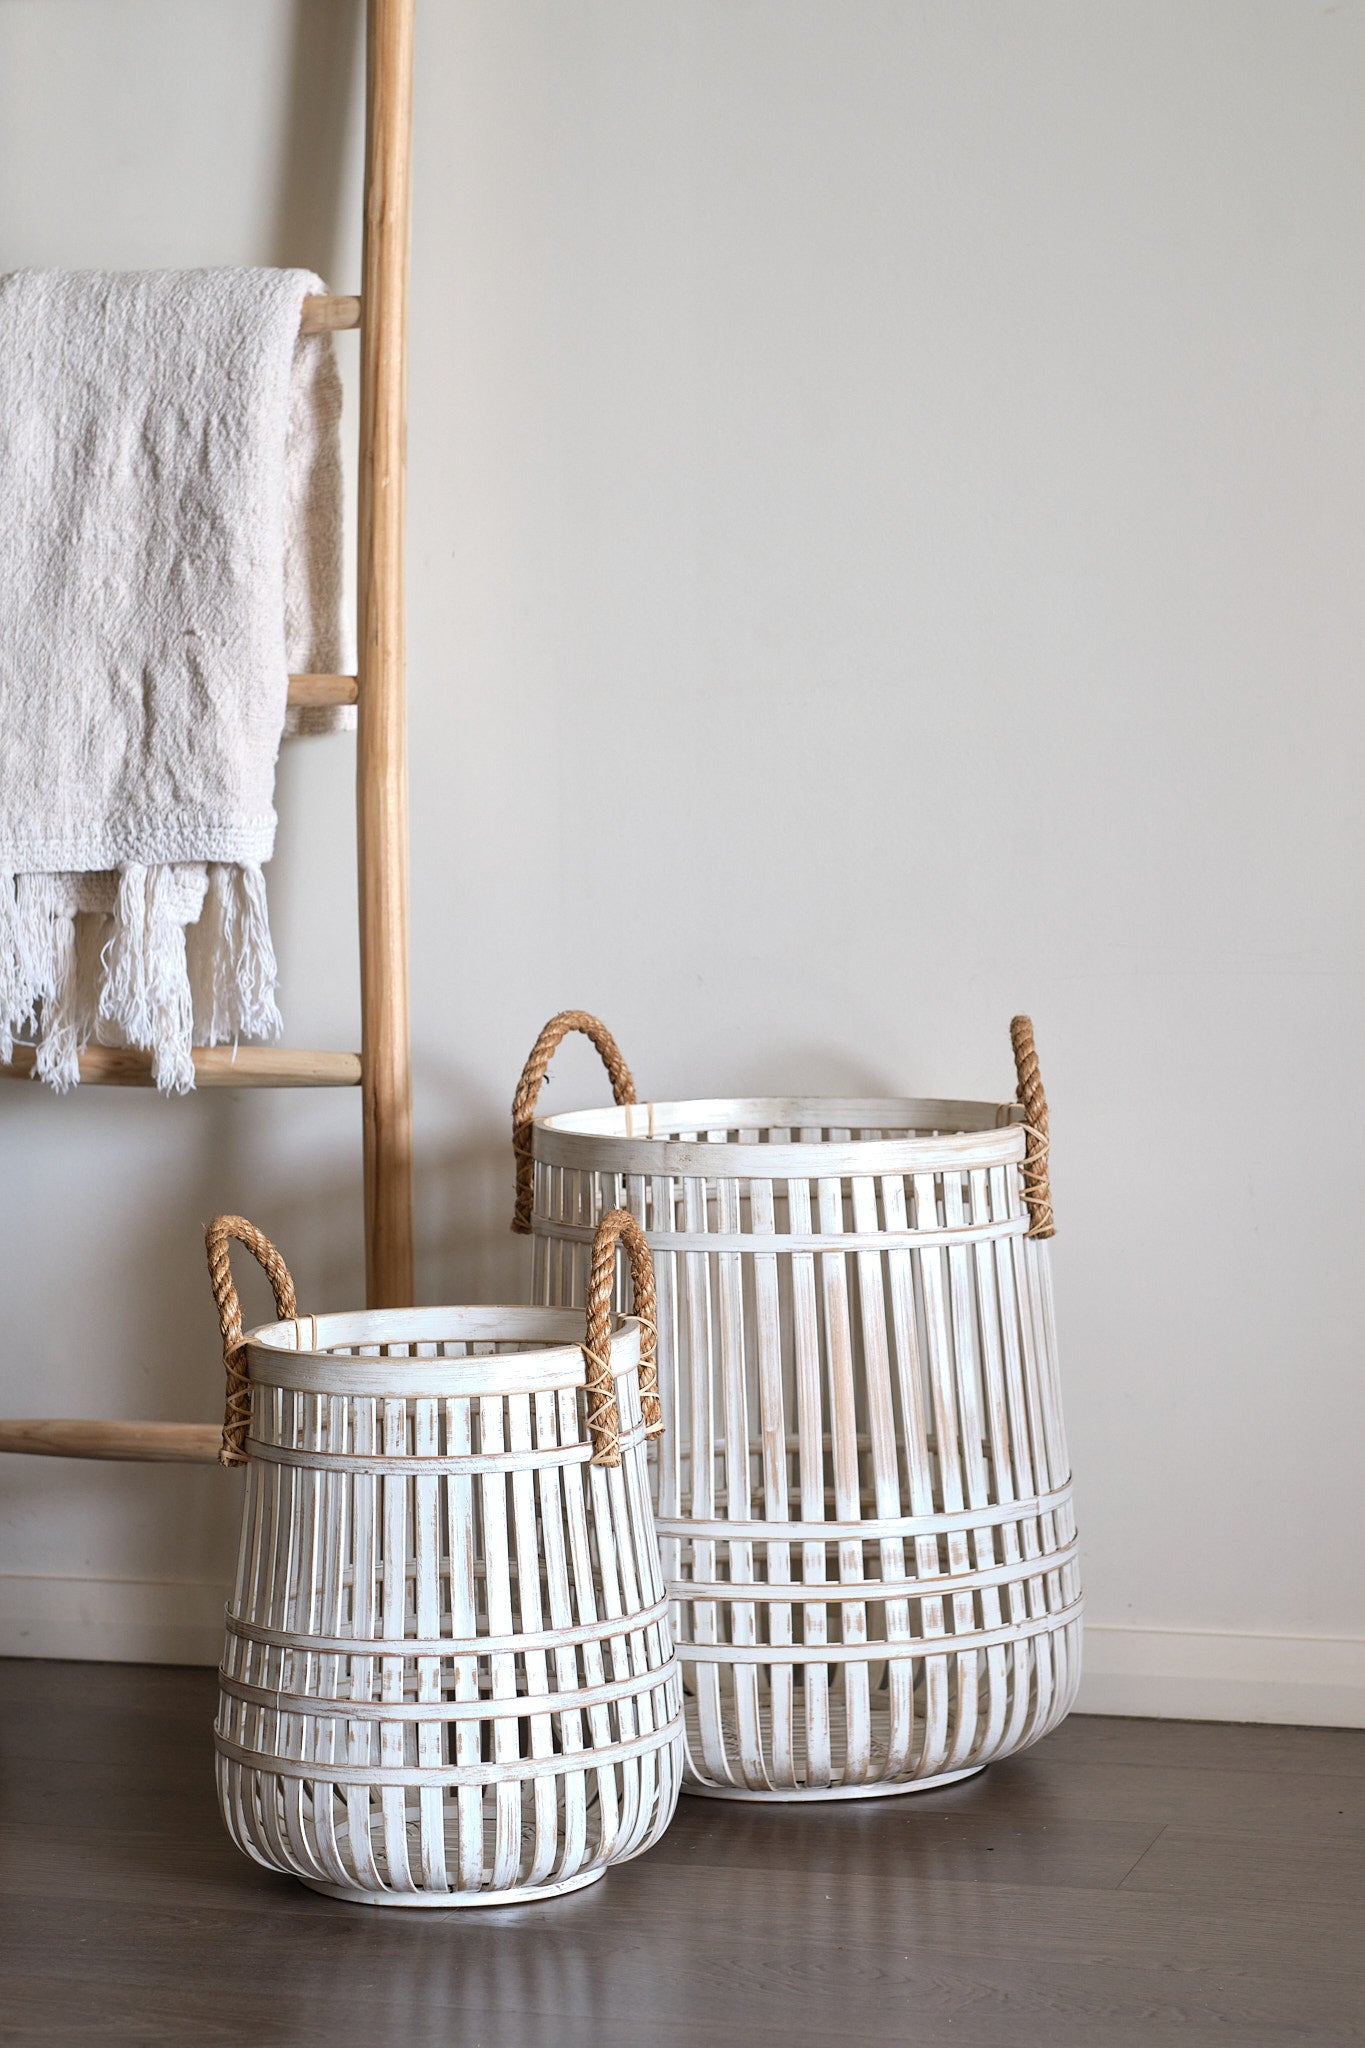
x=448, y=1677
x=864, y=1501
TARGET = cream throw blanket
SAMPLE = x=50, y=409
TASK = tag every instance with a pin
x=170, y=547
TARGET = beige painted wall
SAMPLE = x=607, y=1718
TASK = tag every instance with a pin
x=888, y=495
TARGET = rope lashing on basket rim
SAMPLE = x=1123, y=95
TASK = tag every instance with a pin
x=1034, y=1172
x=528, y=1091
x=619, y=1227
x=218, y=1241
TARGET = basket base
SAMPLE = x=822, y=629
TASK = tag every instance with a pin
x=883, y=1780
x=800, y=1795
x=521, y=1895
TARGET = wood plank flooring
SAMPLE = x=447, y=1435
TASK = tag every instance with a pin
x=1126, y=1884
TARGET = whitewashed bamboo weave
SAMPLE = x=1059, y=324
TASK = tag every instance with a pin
x=448, y=1677
x=864, y=1494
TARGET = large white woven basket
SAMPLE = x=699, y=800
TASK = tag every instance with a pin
x=448, y=1677
x=864, y=1497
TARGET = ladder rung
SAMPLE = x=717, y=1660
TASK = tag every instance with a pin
x=323, y=690
x=328, y=316
x=155, y=1443
x=215, y=1066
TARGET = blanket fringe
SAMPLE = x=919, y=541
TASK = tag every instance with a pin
x=232, y=960
x=59, y=1048
x=162, y=957
x=14, y=974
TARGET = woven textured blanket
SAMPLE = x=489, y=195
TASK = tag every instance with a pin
x=170, y=548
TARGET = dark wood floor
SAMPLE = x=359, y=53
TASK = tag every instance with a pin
x=1125, y=1884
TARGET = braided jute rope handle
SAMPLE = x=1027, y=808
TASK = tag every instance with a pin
x=1037, y=1184
x=528, y=1089
x=619, y=1227
x=218, y=1239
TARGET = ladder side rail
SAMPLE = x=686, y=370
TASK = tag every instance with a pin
x=381, y=757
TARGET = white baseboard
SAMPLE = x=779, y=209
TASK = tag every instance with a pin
x=112, y=1621
x=1176, y=1674
x=1169, y=1674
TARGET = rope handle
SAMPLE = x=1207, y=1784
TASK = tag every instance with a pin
x=528, y=1090
x=619, y=1227
x=218, y=1239
x=1037, y=1181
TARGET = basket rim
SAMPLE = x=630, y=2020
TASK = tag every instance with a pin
x=295, y=1354
x=621, y=1139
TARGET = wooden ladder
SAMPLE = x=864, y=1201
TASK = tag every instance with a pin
x=381, y=1068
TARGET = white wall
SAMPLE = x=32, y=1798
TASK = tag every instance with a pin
x=888, y=495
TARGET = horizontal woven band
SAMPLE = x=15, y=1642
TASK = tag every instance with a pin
x=463, y=1465
x=805, y=1592
x=314, y=1707
x=879, y=1651
x=305, y=1354
x=642, y=1139
x=955, y=1522
x=610, y=1629
x=756, y=1244
x=565, y=1763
